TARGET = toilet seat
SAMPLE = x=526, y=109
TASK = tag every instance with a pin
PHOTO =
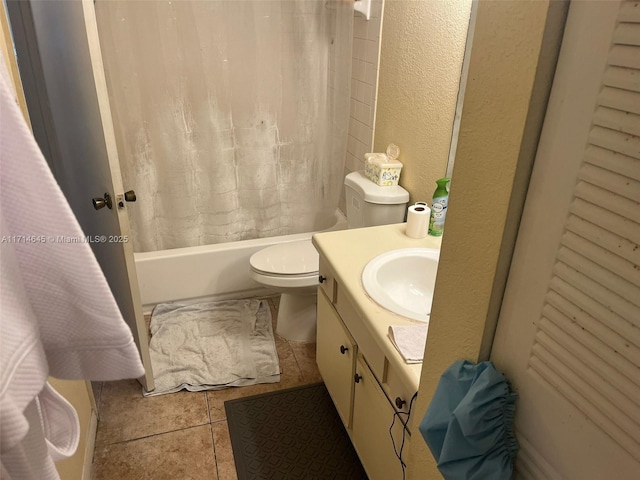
x=290, y=259
x=287, y=265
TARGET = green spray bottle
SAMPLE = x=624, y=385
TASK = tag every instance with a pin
x=439, y=207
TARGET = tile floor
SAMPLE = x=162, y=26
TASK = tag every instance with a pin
x=182, y=435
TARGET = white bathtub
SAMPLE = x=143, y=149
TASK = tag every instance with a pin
x=207, y=272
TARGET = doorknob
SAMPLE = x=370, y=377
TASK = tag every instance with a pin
x=99, y=203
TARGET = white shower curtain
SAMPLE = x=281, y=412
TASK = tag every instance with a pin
x=231, y=116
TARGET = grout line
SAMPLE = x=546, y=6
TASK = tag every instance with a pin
x=295, y=357
x=215, y=456
x=152, y=435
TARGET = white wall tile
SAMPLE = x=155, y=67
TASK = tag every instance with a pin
x=372, y=49
x=360, y=48
x=366, y=47
x=363, y=132
x=352, y=145
x=373, y=29
x=352, y=127
x=363, y=113
x=358, y=69
x=352, y=163
x=371, y=74
x=357, y=94
x=361, y=150
x=376, y=9
x=360, y=27
x=367, y=95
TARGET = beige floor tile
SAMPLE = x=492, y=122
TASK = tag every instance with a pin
x=184, y=454
x=224, y=453
x=125, y=414
x=291, y=375
x=305, y=354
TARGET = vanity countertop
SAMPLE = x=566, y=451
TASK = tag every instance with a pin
x=347, y=252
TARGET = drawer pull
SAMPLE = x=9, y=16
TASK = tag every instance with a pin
x=322, y=278
x=400, y=402
x=357, y=378
x=343, y=349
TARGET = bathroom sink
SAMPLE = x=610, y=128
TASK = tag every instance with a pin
x=402, y=281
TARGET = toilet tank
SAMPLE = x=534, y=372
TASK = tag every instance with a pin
x=369, y=204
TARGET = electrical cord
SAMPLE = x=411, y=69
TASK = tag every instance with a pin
x=405, y=422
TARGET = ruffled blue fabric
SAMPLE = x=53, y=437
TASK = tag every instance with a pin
x=469, y=423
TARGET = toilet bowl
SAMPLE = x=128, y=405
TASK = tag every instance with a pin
x=291, y=269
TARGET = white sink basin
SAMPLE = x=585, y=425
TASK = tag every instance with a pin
x=402, y=281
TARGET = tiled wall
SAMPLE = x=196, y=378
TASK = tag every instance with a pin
x=364, y=80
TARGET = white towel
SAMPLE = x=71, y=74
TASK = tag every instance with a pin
x=212, y=345
x=410, y=341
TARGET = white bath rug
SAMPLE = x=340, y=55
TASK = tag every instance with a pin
x=213, y=345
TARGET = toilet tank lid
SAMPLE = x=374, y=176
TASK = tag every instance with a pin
x=373, y=193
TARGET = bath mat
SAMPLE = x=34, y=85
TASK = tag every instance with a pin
x=213, y=345
x=291, y=434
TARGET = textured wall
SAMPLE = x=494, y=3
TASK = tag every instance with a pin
x=421, y=57
x=503, y=109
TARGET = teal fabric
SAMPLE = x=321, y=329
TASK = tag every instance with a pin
x=469, y=423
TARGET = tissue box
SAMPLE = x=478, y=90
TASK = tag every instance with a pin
x=381, y=170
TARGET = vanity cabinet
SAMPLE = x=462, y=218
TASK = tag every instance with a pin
x=361, y=383
x=372, y=417
x=335, y=356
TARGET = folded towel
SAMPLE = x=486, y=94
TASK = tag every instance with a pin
x=410, y=341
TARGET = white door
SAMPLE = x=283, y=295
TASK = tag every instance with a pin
x=568, y=335
x=81, y=141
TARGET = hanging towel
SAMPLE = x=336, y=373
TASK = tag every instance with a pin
x=469, y=423
x=410, y=341
x=57, y=314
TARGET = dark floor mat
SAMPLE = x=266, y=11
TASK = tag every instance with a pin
x=291, y=434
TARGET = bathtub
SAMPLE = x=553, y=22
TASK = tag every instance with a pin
x=208, y=272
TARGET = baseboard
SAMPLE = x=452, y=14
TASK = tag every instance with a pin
x=91, y=446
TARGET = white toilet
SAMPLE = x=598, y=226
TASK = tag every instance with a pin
x=291, y=268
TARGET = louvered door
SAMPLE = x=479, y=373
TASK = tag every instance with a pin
x=569, y=330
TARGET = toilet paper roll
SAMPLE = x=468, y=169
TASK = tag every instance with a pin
x=424, y=204
x=418, y=221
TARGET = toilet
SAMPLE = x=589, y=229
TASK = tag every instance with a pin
x=291, y=268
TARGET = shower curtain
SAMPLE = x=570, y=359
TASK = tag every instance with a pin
x=231, y=116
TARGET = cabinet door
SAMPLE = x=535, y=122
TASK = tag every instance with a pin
x=327, y=281
x=372, y=417
x=335, y=355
